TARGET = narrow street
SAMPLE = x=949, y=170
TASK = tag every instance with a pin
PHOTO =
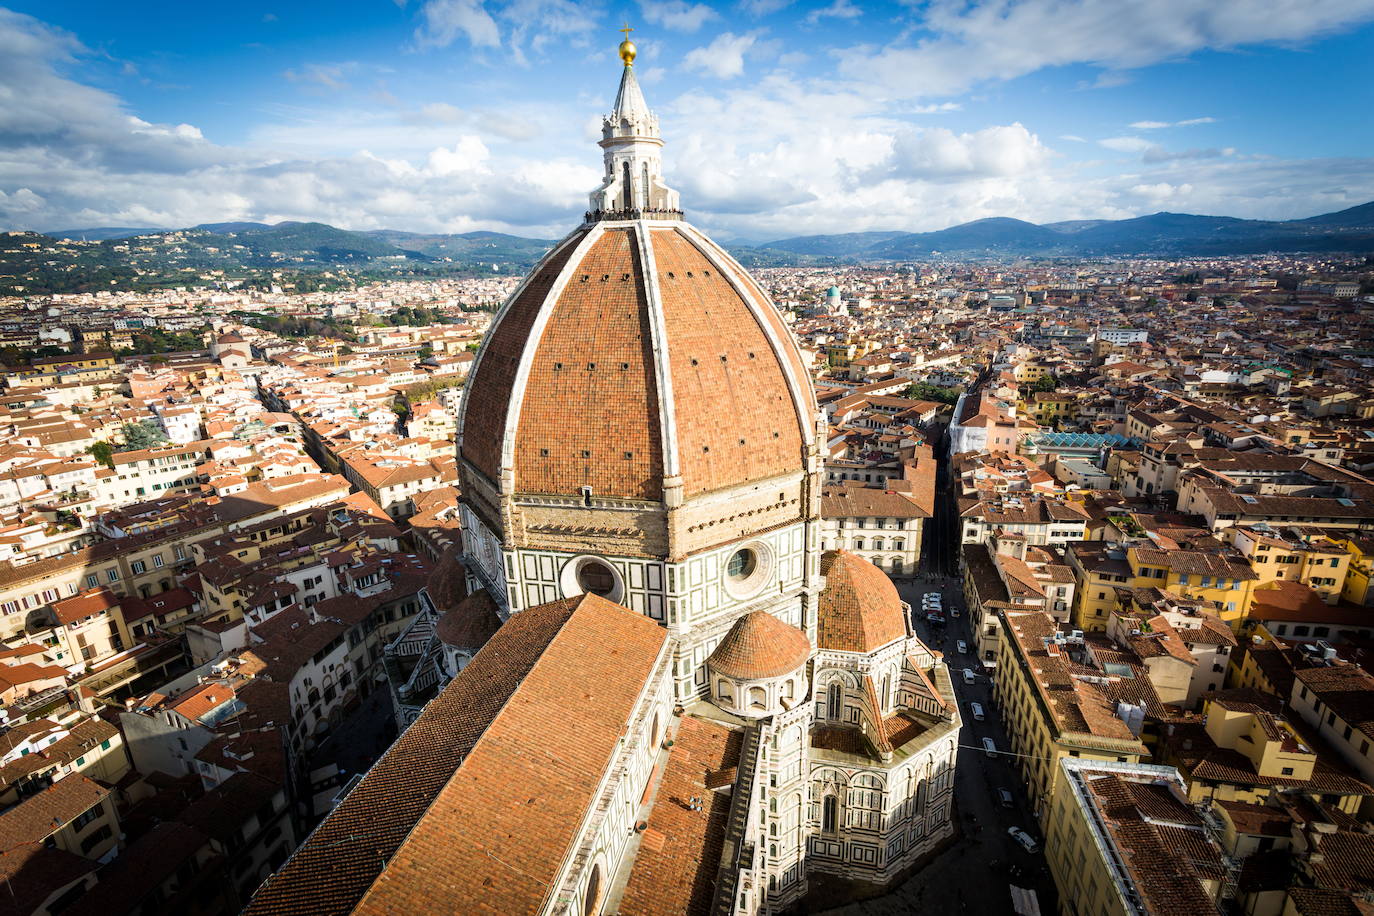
x=975, y=873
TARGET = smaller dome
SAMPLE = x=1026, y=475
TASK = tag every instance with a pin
x=447, y=582
x=760, y=646
x=859, y=610
x=470, y=623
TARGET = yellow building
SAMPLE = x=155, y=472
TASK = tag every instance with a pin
x=1109, y=848
x=1046, y=407
x=1202, y=576
x=1049, y=713
x=1032, y=371
x=1275, y=554
x=1107, y=573
x=1359, y=574
x=1245, y=748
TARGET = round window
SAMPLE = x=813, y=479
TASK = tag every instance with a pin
x=596, y=578
x=747, y=569
x=591, y=576
x=741, y=564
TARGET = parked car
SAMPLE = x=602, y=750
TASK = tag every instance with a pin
x=1006, y=798
x=1025, y=839
x=963, y=647
x=989, y=747
x=954, y=611
x=976, y=710
x=935, y=617
x=969, y=676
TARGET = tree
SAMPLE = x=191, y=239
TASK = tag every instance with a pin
x=102, y=452
x=1045, y=383
x=144, y=434
x=426, y=351
x=924, y=391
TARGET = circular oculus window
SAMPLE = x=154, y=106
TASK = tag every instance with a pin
x=591, y=575
x=747, y=569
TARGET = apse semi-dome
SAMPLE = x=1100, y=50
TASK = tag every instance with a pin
x=859, y=608
x=638, y=360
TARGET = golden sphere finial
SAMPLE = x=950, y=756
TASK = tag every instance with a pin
x=627, y=47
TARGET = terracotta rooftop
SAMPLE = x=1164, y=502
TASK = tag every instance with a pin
x=471, y=623
x=759, y=646
x=675, y=868
x=431, y=824
x=590, y=412
x=859, y=609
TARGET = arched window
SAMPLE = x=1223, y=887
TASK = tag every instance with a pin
x=591, y=900
x=833, y=701
x=723, y=690
x=788, y=688
x=653, y=732
x=886, y=698
x=758, y=698
x=829, y=813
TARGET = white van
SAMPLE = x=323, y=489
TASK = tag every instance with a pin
x=963, y=647
x=968, y=675
x=976, y=710
x=989, y=747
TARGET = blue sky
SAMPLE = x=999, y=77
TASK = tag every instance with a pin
x=780, y=118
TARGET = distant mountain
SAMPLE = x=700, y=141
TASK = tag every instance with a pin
x=1361, y=217
x=1074, y=225
x=78, y=260
x=492, y=246
x=830, y=245
x=996, y=235
x=99, y=234
x=225, y=228
x=1176, y=234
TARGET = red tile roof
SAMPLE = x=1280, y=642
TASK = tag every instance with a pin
x=675, y=868
x=859, y=609
x=497, y=769
x=758, y=646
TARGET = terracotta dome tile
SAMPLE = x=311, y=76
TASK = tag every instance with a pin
x=859, y=609
x=487, y=398
x=471, y=623
x=590, y=413
x=760, y=646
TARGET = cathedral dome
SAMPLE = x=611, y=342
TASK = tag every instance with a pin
x=859, y=609
x=760, y=646
x=638, y=360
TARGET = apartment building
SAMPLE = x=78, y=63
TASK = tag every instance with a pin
x=1115, y=839
x=1052, y=709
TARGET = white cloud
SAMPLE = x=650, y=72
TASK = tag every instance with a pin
x=968, y=43
x=1073, y=138
x=723, y=58
x=1159, y=125
x=678, y=15
x=939, y=153
x=800, y=156
x=936, y=108
x=840, y=9
x=331, y=76
x=1126, y=144
x=764, y=7
x=446, y=20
